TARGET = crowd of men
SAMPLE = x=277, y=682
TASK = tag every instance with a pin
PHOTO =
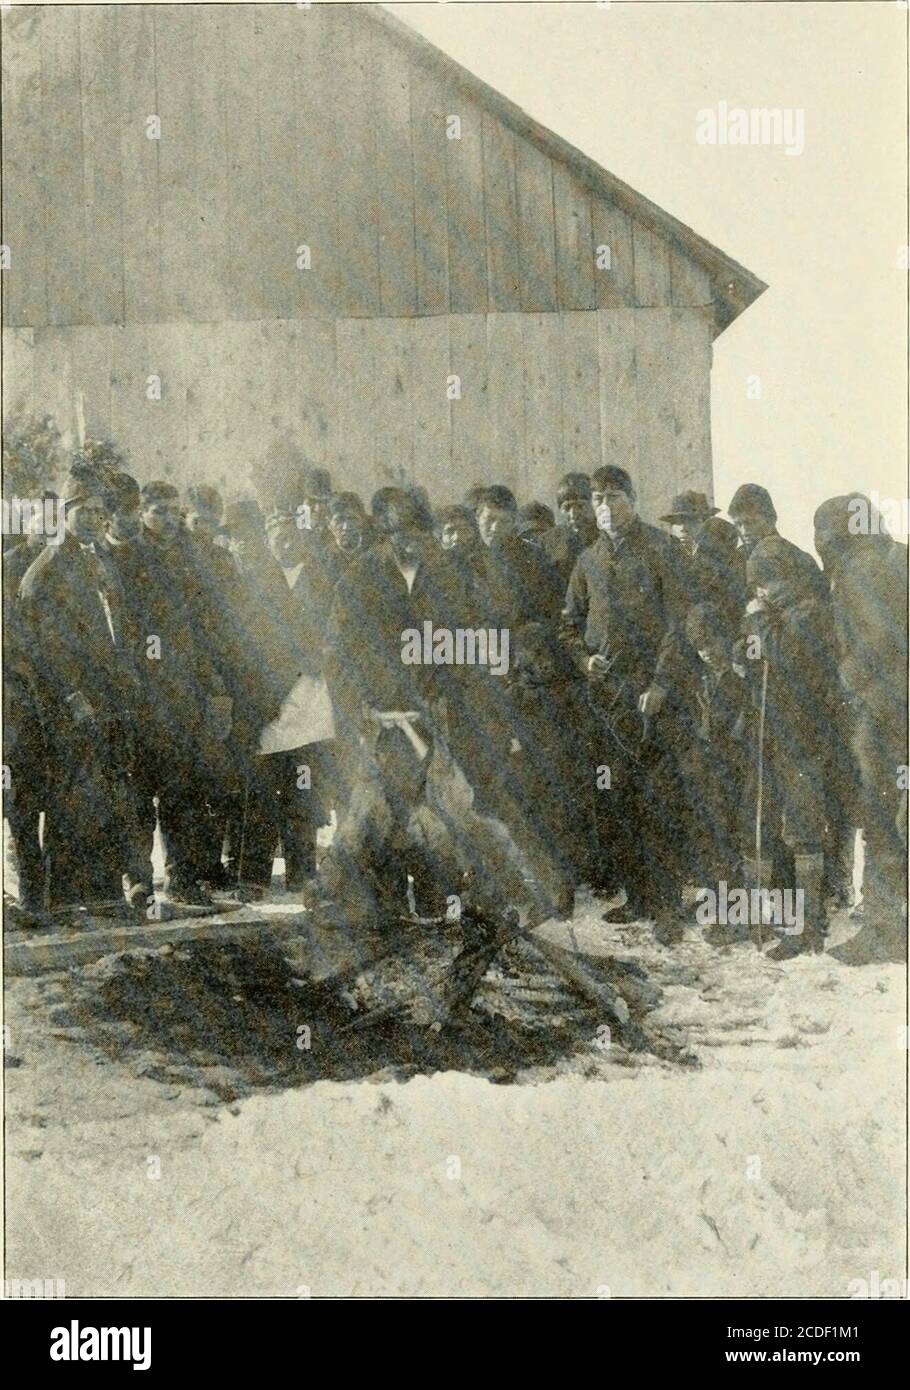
x=682, y=706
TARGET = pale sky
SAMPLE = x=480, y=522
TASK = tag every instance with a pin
x=828, y=339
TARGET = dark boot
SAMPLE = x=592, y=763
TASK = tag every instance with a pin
x=809, y=877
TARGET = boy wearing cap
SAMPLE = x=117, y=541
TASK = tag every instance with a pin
x=577, y=527
x=622, y=605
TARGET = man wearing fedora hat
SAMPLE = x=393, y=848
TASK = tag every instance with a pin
x=688, y=512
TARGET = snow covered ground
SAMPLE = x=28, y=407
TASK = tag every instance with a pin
x=775, y=1168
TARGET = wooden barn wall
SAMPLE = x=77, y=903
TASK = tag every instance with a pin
x=367, y=397
x=281, y=127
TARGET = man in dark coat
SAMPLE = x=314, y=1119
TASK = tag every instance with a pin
x=24, y=743
x=176, y=645
x=790, y=630
x=521, y=585
x=411, y=808
x=755, y=518
x=622, y=606
x=73, y=614
x=867, y=571
x=577, y=525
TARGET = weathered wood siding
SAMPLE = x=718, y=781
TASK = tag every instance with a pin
x=283, y=127
x=431, y=258
x=540, y=393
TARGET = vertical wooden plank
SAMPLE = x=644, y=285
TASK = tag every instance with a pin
x=241, y=386
x=505, y=356
x=691, y=351
x=574, y=240
x=656, y=478
x=102, y=257
x=432, y=407
x=241, y=81
x=471, y=414
x=89, y=350
x=500, y=200
x=314, y=383
x=142, y=299
x=613, y=229
x=19, y=373
x=133, y=418
x=179, y=196
x=393, y=417
x=652, y=267
x=315, y=161
x=167, y=436
x=465, y=211
x=395, y=179
x=428, y=135
x=204, y=414
x=357, y=230
x=282, y=282
x=356, y=405
x=543, y=405
x=211, y=295
x=690, y=283
x=618, y=388
x=536, y=228
x=581, y=450
x=62, y=118
x=54, y=394
x=24, y=166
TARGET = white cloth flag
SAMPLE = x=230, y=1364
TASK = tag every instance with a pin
x=306, y=717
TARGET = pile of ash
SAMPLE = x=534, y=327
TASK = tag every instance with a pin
x=247, y=1011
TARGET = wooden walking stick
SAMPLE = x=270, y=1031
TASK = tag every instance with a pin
x=760, y=793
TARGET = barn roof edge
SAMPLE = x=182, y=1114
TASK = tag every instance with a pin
x=735, y=287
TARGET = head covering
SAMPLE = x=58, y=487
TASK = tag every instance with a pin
x=347, y=504
x=203, y=498
x=83, y=480
x=409, y=508
x=316, y=483
x=157, y=491
x=690, y=506
x=612, y=479
x=751, y=497
x=534, y=516
x=502, y=498
x=122, y=493
x=573, y=486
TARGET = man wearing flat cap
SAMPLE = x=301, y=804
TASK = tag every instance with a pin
x=755, y=518
x=622, y=605
x=577, y=527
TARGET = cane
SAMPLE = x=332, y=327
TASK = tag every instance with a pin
x=760, y=792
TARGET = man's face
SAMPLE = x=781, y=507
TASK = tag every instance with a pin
x=686, y=532
x=85, y=520
x=285, y=542
x=162, y=517
x=752, y=527
x=125, y=525
x=449, y=535
x=494, y=523
x=713, y=654
x=347, y=531
x=202, y=525
x=613, y=508
x=577, y=512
